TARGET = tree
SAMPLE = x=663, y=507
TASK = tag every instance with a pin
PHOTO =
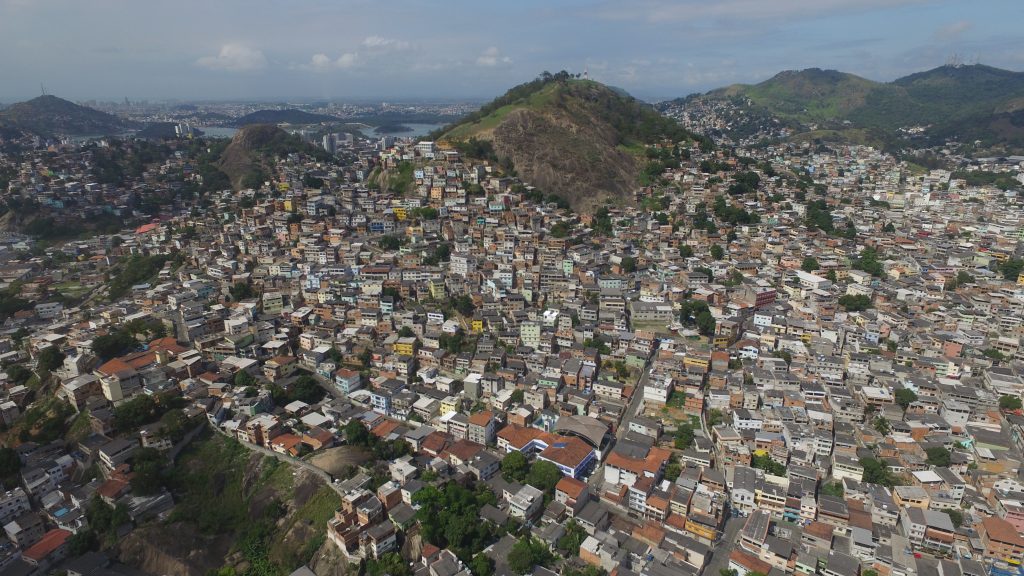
x=10, y=463
x=136, y=412
x=527, y=553
x=905, y=397
x=685, y=251
x=390, y=564
x=1010, y=403
x=684, y=436
x=147, y=467
x=561, y=229
x=241, y=291
x=765, y=462
x=993, y=354
x=574, y=536
x=1011, y=268
x=481, y=565
x=629, y=264
x=514, y=466
x=464, y=304
x=810, y=264
x=955, y=516
x=855, y=303
x=51, y=358
x=544, y=476
x=406, y=332
x=673, y=469
x=832, y=489
x=517, y=396
x=715, y=417
x=882, y=425
x=243, y=379
x=937, y=456
x=306, y=389
x=113, y=344
x=696, y=313
x=868, y=262
x=18, y=374
x=81, y=542
x=875, y=472
x=717, y=252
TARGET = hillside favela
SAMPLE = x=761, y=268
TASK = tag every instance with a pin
x=665, y=288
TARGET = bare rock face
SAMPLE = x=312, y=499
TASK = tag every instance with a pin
x=576, y=158
x=174, y=550
x=578, y=139
x=240, y=158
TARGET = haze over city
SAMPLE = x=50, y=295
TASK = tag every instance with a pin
x=656, y=49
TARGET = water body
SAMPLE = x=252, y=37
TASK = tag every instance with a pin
x=414, y=130
x=218, y=131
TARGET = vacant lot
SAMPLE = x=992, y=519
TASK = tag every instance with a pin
x=335, y=461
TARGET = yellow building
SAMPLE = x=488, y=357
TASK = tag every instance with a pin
x=405, y=346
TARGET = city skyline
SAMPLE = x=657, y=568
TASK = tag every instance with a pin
x=353, y=50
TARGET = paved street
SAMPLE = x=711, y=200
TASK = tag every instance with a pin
x=720, y=551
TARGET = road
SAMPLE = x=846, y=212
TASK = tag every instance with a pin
x=723, y=548
x=634, y=403
x=596, y=478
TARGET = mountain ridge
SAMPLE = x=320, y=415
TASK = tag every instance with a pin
x=963, y=102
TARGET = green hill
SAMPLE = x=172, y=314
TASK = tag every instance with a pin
x=965, y=103
x=50, y=115
x=575, y=138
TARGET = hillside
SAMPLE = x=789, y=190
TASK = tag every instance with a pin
x=245, y=160
x=236, y=510
x=965, y=103
x=287, y=116
x=575, y=138
x=50, y=115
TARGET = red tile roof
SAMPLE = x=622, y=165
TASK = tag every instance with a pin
x=571, y=486
x=51, y=541
x=481, y=418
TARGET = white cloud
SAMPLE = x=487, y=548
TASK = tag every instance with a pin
x=234, y=58
x=694, y=10
x=954, y=30
x=347, y=60
x=492, y=57
x=322, y=62
x=379, y=43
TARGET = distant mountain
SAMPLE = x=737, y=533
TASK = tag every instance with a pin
x=287, y=116
x=50, y=115
x=965, y=103
x=577, y=139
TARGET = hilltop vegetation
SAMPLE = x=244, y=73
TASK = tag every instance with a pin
x=575, y=138
x=50, y=115
x=965, y=103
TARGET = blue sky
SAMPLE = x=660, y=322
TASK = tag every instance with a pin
x=408, y=49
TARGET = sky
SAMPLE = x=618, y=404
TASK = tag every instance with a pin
x=401, y=50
